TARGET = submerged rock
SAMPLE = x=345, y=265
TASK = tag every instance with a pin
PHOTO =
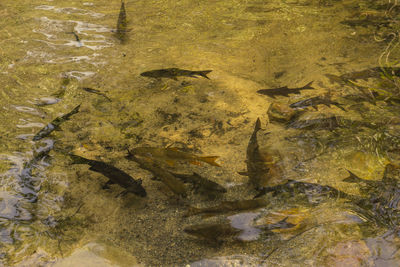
x=281, y=112
x=94, y=254
x=351, y=253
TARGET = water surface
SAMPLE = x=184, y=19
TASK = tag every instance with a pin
x=51, y=209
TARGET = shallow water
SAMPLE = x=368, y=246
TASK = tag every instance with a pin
x=55, y=212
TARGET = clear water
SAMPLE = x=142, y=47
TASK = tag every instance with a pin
x=51, y=208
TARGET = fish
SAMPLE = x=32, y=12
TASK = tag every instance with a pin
x=228, y=207
x=310, y=190
x=97, y=92
x=122, y=24
x=284, y=91
x=331, y=123
x=218, y=232
x=170, y=155
x=258, y=168
x=175, y=185
x=352, y=178
x=115, y=175
x=202, y=184
x=315, y=101
x=375, y=72
x=173, y=73
x=55, y=124
x=282, y=224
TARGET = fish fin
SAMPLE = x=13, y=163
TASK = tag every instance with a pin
x=107, y=184
x=352, y=178
x=257, y=126
x=308, y=86
x=203, y=73
x=78, y=160
x=243, y=173
x=210, y=160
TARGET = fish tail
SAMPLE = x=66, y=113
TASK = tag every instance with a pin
x=210, y=160
x=203, y=73
x=257, y=127
x=352, y=178
x=308, y=86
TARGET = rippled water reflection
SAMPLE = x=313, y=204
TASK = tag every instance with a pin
x=51, y=209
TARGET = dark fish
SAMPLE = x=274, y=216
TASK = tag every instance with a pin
x=228, y=206
x=165, y=176
x=310, y=190
x=55, y=124
x=170, y=155
x=122, y=24
x=315, y=101
x=115, y=175
x=202, y=184
x=284, y=91
x=331, y=123
x=257, y=168
x=97, y=92
x=376, y=72
x=173, y=73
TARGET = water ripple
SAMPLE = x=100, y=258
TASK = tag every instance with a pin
x=71, y=10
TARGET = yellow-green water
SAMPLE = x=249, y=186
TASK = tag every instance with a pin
x=51, y=209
